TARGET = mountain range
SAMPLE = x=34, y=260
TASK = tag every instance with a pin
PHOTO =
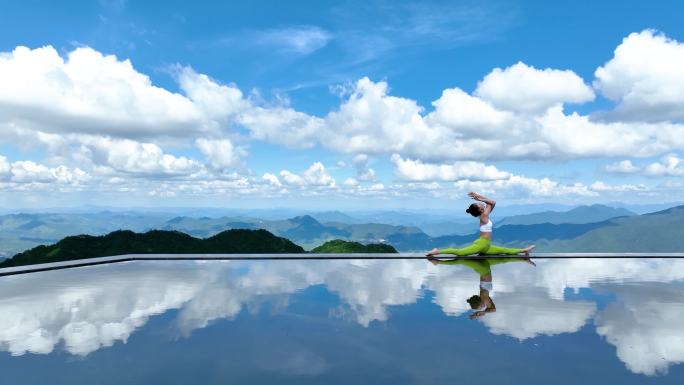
x=584, y=228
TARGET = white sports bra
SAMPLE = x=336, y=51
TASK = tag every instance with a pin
x=487, y=227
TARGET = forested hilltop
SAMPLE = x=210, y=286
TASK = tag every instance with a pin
x=154, y=242
x=235, y=241
x=341, y=246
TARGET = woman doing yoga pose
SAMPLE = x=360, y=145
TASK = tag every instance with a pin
x=482, y=245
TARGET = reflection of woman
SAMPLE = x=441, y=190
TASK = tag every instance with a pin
x=482, y=303
x=482, y=245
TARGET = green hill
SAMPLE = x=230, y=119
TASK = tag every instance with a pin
x=654, y=232
x=578, y=215
x=154, y=242
x=340, y=246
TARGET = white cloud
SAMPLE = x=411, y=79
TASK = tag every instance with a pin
x=291, y=179
x=415, y=170
x=98, y=114
x=461, y=126
x=577, y=135
x=271, y=179
x=351, y=182
x=103, y=95
x=132, y=157
x=522, y=186
x=602, y=186
x=645, y=78
x=216, y=100
x=89, y=92
x=162, y=193
x=459, y=112
x=370, y=121
x=281, y=125
x=315, y=175
x=622, y=167
x=670, y=165
x=477, y=176
x=220, y=152
x=26, y=171
x=524, y=88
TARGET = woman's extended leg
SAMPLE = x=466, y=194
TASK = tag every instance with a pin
x=476, y=247
x=498, y=250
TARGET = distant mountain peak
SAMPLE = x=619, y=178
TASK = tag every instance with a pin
x=176, y=220
x=304, y=220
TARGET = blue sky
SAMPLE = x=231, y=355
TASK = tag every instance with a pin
x=357, y=104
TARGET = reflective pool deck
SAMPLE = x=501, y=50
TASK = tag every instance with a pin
x=303, y=256
x=344, y=321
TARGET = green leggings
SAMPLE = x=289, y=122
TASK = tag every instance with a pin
x=482, y=246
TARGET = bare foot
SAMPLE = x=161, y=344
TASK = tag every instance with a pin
x=528, y=260
x=432, y=252
x=528, y=249
x=433, y=260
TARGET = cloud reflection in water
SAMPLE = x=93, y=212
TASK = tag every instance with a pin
x=88, y=308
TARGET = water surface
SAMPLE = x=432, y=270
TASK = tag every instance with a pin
x=347, y=321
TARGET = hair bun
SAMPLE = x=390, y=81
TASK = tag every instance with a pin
x=468, y=210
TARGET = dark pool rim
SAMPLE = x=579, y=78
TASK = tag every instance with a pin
x=25, y=269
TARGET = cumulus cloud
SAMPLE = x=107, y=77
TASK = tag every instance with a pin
x=670, y=165
x=460, y=112
x=524, y=186
x=89, y=92
x=92, y=110
x=415, y=170
x=97, y=113
x=132, y=157
x=469, y=175
x=220, y=152
x=461, y=127
x=521, y=87
x=370, y=121
x=315, y=175
x=26, y=171
x=282, y=125
x=622, y=167
x=352, y=182
x=602, y=186
x=582, y=137
x=644, y=77
x=217, y=101
x=271, y=179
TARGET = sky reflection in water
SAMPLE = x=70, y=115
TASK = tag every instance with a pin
x=339, y=321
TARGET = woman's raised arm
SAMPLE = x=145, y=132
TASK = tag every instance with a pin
x=490, y=202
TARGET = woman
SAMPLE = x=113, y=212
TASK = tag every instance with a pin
x=482, y=245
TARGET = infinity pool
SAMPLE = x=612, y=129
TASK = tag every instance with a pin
x=344, y=321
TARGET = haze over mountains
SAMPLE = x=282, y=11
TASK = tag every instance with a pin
x=584, y=228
